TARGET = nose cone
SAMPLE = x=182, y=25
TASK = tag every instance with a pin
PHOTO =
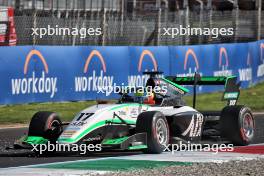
x=85, y=122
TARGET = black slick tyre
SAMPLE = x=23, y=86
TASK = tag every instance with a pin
x=45, y=124
x=156, y=126
x=237, y=124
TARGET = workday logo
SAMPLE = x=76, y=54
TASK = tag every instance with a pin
x=245, y=74
x=223, y=65
x=140, y=80
x=260, y=71
x=190, y=54
x=90, y=57
x=143, y=56
x=98, y=82
x=33, y=83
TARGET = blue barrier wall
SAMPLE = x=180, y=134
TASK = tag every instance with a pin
x=66, y=73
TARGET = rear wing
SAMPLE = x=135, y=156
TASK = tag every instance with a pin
x=232, y=88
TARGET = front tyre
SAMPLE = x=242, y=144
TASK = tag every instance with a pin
x=45, y=124
x=156, y=126
x=237, y=124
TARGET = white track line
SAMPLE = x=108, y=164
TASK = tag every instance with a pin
x=49, y=172
x=197, y=157
x=178, y=156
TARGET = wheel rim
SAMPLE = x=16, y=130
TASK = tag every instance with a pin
x=161, y=130
x=55, y=126
x=248, y=125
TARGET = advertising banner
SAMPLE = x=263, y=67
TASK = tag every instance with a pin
x=76, y=73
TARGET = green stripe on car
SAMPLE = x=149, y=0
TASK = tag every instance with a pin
x=93, y=127
x=35, y=140
x=136, y=147
x=128, y=105
x=176, y=85
x=114, y=141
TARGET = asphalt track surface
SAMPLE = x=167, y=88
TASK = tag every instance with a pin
x=13, y=158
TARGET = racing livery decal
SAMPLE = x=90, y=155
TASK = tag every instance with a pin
x=195, y=127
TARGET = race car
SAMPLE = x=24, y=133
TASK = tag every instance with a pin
x=137, y=122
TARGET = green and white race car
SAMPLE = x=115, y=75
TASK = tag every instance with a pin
x=134, y=124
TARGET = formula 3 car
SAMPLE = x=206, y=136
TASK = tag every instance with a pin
x=136, y=124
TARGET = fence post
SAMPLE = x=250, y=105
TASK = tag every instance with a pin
x=33, y=4
x=144, y=34
x=166, y=20
x=104, y=27
x=201, y=18
x=158, y=27
x=259, y=6
x=209, y=8
x=180, y=38
x=158, y=3
x=134, y=12
x=235, y=13
x=17, y=4
x=186, y=10
x=34, y=25
x=76, y=26
x=122, y=16
x=134, y=4
x=237, y=20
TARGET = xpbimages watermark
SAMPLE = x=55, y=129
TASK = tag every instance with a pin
x=57, y=147
x=194, y=147
x=192, y=31
x=65, y=31
x=141, y=90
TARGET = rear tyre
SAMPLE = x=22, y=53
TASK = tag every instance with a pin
x=237, y=124
x=156, y=126
x=45, y=124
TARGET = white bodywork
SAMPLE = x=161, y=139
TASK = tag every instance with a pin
x=101, y=113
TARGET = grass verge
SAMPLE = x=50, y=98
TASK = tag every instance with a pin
x=23, y=113
x=252, y=97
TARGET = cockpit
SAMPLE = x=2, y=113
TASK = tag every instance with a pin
x=157, y=92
